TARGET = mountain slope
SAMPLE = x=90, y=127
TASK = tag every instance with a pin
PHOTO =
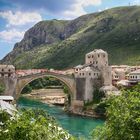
x=63, y=44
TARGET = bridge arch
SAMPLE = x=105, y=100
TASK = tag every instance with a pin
x=25, y=80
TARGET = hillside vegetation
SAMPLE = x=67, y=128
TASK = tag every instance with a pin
x=62, y=44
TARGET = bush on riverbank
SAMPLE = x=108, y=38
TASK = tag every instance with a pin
x=98, y=103
x=123, y=117
x=31, y=125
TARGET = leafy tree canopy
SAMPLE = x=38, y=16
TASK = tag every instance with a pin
x=31, y=125
x=123, y=117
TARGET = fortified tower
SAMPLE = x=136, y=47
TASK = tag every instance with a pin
x=95, y=73
x=99, y=59
x=8, y=78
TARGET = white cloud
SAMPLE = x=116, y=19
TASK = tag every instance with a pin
x=90, y=2
x=20, y=18
x=11, y=35
x=77, y=9
x=136, y=2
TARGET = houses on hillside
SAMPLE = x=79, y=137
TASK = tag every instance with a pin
x=125, y=75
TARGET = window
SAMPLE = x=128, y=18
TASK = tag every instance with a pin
x=96, y=62
x=80, y=73
x=88, y=56
x=9, y=70
x=98, y=55
x=103, y=55
x=89, y=74
x=92, y=56
x=83, y=74
x=90, y=61
x=2, y=70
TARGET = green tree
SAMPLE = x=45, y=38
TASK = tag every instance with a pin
x=98, y=96
x=27, y=89
x=41, y=83
x=31, y=125
x=123, y=118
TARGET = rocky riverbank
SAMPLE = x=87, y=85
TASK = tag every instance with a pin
x=48, y=96
x=87, y=113
x=58, y=97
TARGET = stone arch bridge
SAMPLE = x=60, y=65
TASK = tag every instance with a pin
x=68, y=80
x=15, y=81
x=14, y=84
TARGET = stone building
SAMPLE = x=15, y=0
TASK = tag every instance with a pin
x=118, y=75
x=95, y=73
x=8, y=78
x=7, y=70
x=135, y=75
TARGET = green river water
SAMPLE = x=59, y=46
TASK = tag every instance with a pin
x=75, y=125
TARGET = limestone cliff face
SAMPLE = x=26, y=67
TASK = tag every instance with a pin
x=44, y=32
x=61, y=44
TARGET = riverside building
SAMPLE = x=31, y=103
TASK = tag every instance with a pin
x=94, y=74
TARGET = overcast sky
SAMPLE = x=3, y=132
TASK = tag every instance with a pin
x=17, y=16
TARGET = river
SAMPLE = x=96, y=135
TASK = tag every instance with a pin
x=75, y=125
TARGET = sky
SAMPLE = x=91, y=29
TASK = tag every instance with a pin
x=17, y=16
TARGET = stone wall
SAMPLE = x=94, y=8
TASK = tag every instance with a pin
x=80, y=88
x=10, y=85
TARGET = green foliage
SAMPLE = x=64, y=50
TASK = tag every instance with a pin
x=4, y=116
x=31, y=125
x=136, y=88
x=66, y=90
x=40, y=83
x=98, y=103
x=101, y=107
x=2, y=88
x=27, y=89
x=123, y=118
x=98, y=96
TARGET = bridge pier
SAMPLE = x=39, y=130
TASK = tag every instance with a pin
x=10, y=85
